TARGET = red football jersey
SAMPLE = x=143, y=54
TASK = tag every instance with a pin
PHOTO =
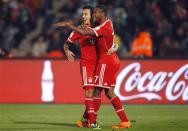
x=108, y=65
x=87, y=45
x=105, y=40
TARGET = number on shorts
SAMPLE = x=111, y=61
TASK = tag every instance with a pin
x=96, y=78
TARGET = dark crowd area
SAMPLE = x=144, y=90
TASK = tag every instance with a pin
x=143, y=28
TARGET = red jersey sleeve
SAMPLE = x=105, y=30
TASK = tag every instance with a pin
x=104, y=29
x=73, y=37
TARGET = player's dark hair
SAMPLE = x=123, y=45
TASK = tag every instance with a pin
x=103, y=8
x=88, y=7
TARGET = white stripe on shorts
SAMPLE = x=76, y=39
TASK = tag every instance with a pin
x=84, y=74
x=102, y=74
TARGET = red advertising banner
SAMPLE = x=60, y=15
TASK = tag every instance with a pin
x=59, y=81
x=153, y=82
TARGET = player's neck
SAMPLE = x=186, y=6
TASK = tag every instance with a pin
x=103, y=20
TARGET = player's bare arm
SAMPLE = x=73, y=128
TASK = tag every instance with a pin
x=113, y=49
x=70, y=55
x=82, y=31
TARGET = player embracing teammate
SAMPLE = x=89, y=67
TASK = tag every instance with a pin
x=88, y=64
x=107, y=65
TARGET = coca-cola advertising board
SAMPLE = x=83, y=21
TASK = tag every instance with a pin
x=59, y=81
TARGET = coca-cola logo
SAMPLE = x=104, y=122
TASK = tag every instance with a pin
x=148, y=85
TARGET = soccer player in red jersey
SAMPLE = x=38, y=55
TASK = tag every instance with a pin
x=87, y=65
x=108, y=64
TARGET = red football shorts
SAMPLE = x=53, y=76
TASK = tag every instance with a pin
x=87, y=72
x=106, y=73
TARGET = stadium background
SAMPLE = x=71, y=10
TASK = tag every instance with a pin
x=32, y=59
x=26, y=25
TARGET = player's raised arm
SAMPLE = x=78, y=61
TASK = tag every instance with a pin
x=81, y=31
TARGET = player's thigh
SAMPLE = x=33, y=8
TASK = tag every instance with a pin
x=109, y=92
x=97, y=92
x=88, y=92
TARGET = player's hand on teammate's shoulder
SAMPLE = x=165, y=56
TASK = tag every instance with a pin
x=111, y=51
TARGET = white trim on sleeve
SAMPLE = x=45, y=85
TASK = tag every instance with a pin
x=69, y=40
x=94, y=31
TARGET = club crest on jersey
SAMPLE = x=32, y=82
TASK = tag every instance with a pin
x=90, y=79
x=92, y=41
x=105, y=84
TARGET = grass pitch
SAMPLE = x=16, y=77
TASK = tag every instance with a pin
x=51, y=117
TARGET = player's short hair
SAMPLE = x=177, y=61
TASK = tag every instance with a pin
x=88, y=7
x=103, y=8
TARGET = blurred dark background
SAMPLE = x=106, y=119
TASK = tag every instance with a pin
x=157, y=27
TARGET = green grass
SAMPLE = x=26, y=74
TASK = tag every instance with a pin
x=51, y=117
